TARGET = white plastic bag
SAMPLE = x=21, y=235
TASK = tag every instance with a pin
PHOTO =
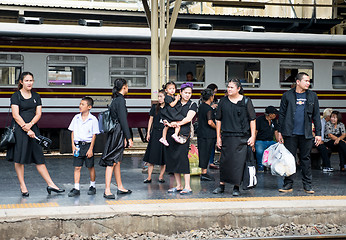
x=280, y=160
x=268, y=155
x=284, y=163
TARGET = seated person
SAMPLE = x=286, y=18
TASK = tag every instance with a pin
x=190, y=78
x=323, y=150
x=335, y=137
x=266, y=127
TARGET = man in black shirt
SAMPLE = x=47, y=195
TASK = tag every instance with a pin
x=266, y=127
x=298, y=108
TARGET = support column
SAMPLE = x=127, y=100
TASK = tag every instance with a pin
x=154, y=51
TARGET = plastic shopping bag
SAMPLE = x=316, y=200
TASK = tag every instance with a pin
x=268, y=155
x=283, y=163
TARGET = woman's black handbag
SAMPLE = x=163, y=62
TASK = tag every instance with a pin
x=7, y=138
x=43, y=141
x=249, y=176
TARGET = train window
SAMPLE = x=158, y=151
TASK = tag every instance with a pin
x=67, y=70
x=11, y=66
x=289, y=70
x=133, y=69
x=339, y=75
x=247, y=71
x=187, y=70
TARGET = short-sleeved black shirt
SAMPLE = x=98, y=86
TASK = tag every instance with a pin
x=185, y=129
x=235, y=117
x=265, y=131
x=157, y=121
x=205, y=113
x=27, y=107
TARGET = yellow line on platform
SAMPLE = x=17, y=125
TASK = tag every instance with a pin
x=29, y=205
x=249, y=199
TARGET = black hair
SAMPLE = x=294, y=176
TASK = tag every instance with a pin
x=338, y=116
x=158, y=104
x=118, y=85
x=301, y=75
x=89, y=101
x=164, y=86
x=189, y=73
x=238, y=84
x=206, y=94
x=212, y=86
x=21, y=78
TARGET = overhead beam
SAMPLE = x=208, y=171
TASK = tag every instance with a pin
x=147, y=11
x=258, y=4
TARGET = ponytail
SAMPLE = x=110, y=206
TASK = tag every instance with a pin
x=118, y=85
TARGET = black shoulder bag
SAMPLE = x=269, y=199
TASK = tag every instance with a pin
x=106, y=122
x=7, y=138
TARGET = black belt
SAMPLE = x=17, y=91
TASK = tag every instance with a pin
x=83, y=143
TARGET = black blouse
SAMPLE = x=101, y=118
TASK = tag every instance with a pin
x=265, y=131
x=119, y=112
x=185, y=129
x=157, y=121
x=205, y=113
x=27, y=107
x=235, y=117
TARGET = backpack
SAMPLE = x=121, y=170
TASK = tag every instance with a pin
x=106, y=122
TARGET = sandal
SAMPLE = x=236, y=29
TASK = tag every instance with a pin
x=185, y=192
x=164, y=142
x=174, y=190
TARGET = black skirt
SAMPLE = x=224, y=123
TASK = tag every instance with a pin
x=176, y=155
x=26, y=150
x=114, y=148
x=154, y=153
x=233, y=157
x=205, y=148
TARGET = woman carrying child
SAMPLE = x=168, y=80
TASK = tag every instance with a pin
x=154, y=153
x=171, y=113
x=117, y=140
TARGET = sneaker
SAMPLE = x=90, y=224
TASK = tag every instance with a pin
x=92, y=190
x=286, y=188
x=176, y=138
x=260, y=169
x=309, y=190
x=326, y=169
x=219, y=189
x=74, y=192
x=164, y=142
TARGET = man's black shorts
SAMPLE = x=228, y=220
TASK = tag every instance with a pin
x=79, y=161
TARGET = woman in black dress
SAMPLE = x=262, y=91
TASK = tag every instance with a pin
x=206, y=132
x=117, y=140
x=176, y=155
x=235, y=130
x=154, y=153
x=26, y=111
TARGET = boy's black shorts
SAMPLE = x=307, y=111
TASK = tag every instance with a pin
x=78, y=161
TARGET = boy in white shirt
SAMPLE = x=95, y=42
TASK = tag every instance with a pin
x=84, y=127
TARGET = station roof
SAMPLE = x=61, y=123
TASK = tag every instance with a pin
x=70, y=14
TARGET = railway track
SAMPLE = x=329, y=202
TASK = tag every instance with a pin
x=310, y=237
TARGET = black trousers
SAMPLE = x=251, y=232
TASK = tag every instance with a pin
x=322, y=149
x=340, y=148
x=292, y=144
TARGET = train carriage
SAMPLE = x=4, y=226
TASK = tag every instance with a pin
x=70, y=62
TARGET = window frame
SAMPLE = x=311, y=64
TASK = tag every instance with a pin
x=126, y=76
x=178, y=83
x=245, y=60
x=341, y=86
x=15, y=64
x=288, y=85
x=64, y=64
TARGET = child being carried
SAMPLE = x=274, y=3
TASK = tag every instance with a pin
x=171, y=113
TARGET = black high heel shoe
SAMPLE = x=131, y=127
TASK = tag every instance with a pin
x=50, y=189
x=24, y=194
